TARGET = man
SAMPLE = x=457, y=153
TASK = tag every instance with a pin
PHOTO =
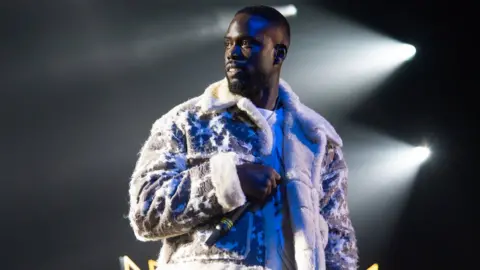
x=247, y=138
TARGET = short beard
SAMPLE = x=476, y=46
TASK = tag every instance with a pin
x=238, y=87
x=247, y=88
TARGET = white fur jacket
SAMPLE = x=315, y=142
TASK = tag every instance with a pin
x=185, y=179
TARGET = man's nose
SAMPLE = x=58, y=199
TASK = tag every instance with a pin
x=234, y=53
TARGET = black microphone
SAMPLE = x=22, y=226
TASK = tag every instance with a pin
x=226, y=223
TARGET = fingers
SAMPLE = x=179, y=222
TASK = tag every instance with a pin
x=276, y=176
x=266, y=181
x=273, y=178
x=268, y=190
x=271, y=173
x=273, y=182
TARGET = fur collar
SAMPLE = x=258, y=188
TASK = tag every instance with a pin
x=217, y=96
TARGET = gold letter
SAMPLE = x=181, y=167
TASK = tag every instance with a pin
x=126, y=264
x=152, y=264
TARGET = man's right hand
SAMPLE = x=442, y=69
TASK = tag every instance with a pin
x=257, y=181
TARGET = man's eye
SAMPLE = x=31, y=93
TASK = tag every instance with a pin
x=226, y=43
x=246, y=43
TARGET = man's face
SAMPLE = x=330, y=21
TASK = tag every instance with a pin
x=249, y=54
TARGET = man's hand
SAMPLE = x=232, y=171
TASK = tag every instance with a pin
x=257, y=181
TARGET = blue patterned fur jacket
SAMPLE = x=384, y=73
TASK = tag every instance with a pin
x=185, y=180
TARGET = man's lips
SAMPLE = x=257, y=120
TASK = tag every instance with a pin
x=235, y=67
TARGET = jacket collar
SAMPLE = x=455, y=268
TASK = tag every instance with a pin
x=217, y=96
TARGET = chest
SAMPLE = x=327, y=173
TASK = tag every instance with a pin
x=221, y=132
x=234, y=131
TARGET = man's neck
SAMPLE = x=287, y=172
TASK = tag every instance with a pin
x=268, y=97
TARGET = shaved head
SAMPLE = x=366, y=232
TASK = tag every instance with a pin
x=256, y=43
x=272, y=15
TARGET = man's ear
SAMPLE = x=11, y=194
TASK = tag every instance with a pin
x=280, y=54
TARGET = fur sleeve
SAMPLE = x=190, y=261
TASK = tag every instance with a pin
x=341, y=252
x=168, y=197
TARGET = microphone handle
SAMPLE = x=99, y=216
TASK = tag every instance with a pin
x=239, y=212
x=225, y=224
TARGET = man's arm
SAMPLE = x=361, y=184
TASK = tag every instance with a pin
x=341, y=252
x=167, y=196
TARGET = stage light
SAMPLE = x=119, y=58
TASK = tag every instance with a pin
x=389, y=54
x=420, y=153
x=406, y=51
x=287, y=11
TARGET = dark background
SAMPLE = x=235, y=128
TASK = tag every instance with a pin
x=432, y=97
x=69, y=141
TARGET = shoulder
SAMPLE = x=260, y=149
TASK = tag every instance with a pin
x=315, y=122
x=177, y=115
x=314, y=125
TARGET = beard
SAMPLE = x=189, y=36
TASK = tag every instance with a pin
x=247, y=86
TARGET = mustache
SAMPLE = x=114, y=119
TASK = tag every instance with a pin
x=235, y=64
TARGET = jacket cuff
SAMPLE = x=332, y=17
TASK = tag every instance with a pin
x=226, y=182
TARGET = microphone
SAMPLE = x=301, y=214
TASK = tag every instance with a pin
x=226, y=223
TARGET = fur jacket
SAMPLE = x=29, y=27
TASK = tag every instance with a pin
x=185, y=179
